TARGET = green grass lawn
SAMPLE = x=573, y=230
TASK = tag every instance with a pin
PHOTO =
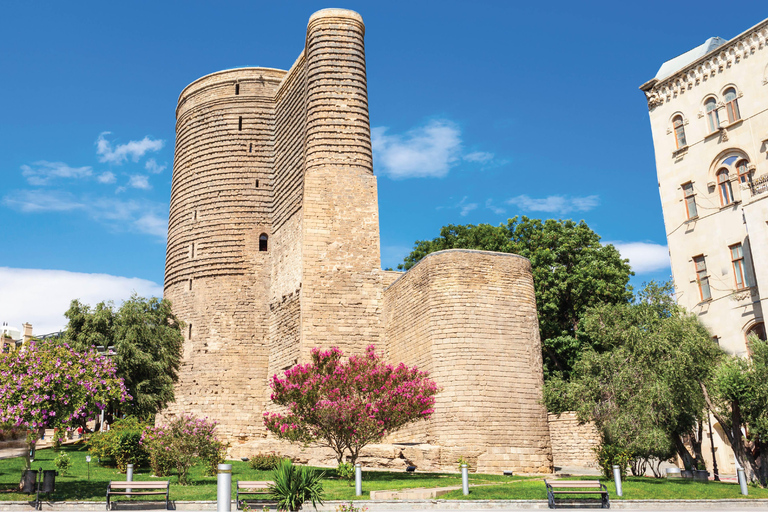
x=76, y=485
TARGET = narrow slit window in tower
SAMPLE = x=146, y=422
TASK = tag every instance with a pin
x=250, y=148
x=192, y=251
x=237, y=89
x=189, y=336
x=263, y=243
x=194, y=215
x=190, y=285
x=240, y=123
x=257, y=183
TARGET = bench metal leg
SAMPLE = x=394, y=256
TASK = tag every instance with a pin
x=606, y=503
x=551, y=499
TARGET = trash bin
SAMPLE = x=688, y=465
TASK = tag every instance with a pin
x=29, y=481
x=49, y=481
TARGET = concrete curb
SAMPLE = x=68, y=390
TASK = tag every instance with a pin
x=395, y=505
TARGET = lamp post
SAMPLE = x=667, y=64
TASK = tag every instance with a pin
x=88, y=460
x=712, y=444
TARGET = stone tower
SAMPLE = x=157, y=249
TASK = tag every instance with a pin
x=273, y=249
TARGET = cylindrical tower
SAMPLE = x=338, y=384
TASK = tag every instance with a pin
x=217, y=263
x=341, y=288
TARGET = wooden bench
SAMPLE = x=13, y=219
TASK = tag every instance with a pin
x=139, y=489
x=252, y=487
x=577, y=487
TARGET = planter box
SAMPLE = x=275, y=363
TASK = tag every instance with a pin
x=673, y=473
x=701, y=476
x=686, y=474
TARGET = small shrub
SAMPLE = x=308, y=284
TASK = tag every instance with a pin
x=608, y=455
x=181, y=444
x=463, y=461
x=121, y=444
x=350, y=508
x=265, y=461
x=345, y=471
x=293, y=485
x=63, y=463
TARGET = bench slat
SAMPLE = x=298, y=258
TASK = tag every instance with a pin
x=579, y=492
x=138, y=485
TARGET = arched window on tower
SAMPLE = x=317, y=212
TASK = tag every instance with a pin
x=677, y=122
x=724, y=184
x=263, y=240
x=732, y=105
x=713, y=120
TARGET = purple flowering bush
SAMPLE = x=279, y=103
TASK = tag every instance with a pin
x=50, y=385
x=182, y=443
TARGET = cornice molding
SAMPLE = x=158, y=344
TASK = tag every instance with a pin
x=741, y=47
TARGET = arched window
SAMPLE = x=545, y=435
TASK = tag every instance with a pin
x=263, y=243
x=758, y=330
x=732, y=105
x=745, y=176
x=677, y=122
x=713, y=121
x=724, y=184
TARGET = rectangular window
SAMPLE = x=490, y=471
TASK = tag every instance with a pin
x=702, y=278
x=240, y=123
x=690, y=200
x=189, y=336
x=737, y=258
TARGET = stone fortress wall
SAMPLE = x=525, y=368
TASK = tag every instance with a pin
x=273, y=249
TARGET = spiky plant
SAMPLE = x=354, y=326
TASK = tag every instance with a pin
x=295, y=485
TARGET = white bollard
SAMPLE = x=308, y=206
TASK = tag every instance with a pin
x=129, y=476
x=224, y=488
x=358, y=480
x=742, y=481
x=617, y=479
x=465, y=479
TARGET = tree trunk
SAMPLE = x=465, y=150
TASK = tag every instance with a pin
x=696, y=443
x=688, y=461
x=751, y=469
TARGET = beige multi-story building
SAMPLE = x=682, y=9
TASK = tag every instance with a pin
x=709, y=119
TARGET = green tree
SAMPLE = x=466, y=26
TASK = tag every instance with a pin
x=639, y=379
x=147, y=342
x=572, y=271
x=738, y=398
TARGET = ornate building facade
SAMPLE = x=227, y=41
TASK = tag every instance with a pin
x=273, y=249
x=709, y=119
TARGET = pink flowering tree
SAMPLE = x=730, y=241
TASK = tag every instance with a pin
x=346, y=405
x=49, y=385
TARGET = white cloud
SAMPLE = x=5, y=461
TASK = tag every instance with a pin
x=498, y=210
x=479, y=157
x=153, y=167
x=41, y=297
x=424, y=152
x=556, y=204
x=42, y=172
x=120, y=153
x=465, y=207
x=140, y=216
x=152, y=225
x=35, y=201
x=644, y=257
x=139, y=181
x=106, y=177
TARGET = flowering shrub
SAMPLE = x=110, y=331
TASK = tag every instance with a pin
x=345, y=405
x=265, y=461
x=120, y=444
x=181, y=444
x=49, y=385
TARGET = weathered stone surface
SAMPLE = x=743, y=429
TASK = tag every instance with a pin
x=287, y=155
x=573, y=445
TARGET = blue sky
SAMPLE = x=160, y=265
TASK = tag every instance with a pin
x=479, y=111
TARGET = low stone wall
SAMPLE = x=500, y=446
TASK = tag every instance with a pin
x=572, y=444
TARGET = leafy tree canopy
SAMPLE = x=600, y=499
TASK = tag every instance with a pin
x=346, y=405
x=639, y=379
x=572, y=271
x=147, y=341
x=738, y=397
